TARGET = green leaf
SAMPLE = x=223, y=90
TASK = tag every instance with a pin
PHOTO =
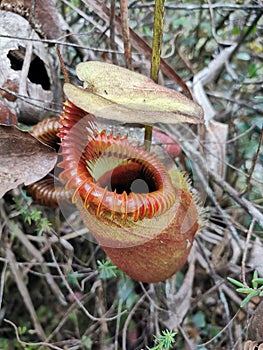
x=254, y=280
x=258, y=280
x=235, y=282
x=244, y=290
x=164, y=341
x=235, y=31
x=126, y=292
x=87, y=342
x=108, y=270
x=249, y=297
x=199, y=319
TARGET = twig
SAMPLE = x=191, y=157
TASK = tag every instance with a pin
x=24, y=239
x=220, y=332
x=24, y=292
x=192, y=7
x=208, y=74
x=244, y=203
x=62, y=64
x=247, y=31
x=29, y=100
x=33, y=251
x=241, y=103
x=2, y=282
x=125, y=327
x=23, y=343
x=254, y=162
x=190, y=344
x=26, y=66
x=221, y=294
x=151, y=300
x=64, y=319
x=116, y=347
x=212, y=19
x=61, y=43
x=81, y=306
x=244, y=257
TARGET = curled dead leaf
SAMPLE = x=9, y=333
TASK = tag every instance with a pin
x=116, y=93
x=23, y=158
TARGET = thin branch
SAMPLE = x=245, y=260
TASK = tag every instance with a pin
x=116, y=343
x=128, y=319
x=29, y=100
x=221, y=295
x=62, y=43
x=81, y=306
x=243, y=202
x=2, y=282
x=62, y=65
x=26, y=66
x=244, y=257
x=254, y=162
x=23, y=343
x=220, y=332
x=24, y=292
x=192, y=7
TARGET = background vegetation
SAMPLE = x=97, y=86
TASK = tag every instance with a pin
x=57, y=288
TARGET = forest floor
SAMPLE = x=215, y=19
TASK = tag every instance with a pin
x=58, y=289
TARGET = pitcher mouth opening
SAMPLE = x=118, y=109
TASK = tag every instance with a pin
x=131, y=176
x=122, y=179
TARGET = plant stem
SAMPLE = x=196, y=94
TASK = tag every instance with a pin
x=156, y=58
x=126, y=33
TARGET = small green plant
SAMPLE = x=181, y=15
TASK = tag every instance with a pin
x=86, y=342
x=255, y=290
x=4, y=344
x=73, y=278
x=108, y=270
x=165, y=341
x=33, y=216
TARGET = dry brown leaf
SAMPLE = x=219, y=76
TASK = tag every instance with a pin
x=47, y=16
x=23, y=158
